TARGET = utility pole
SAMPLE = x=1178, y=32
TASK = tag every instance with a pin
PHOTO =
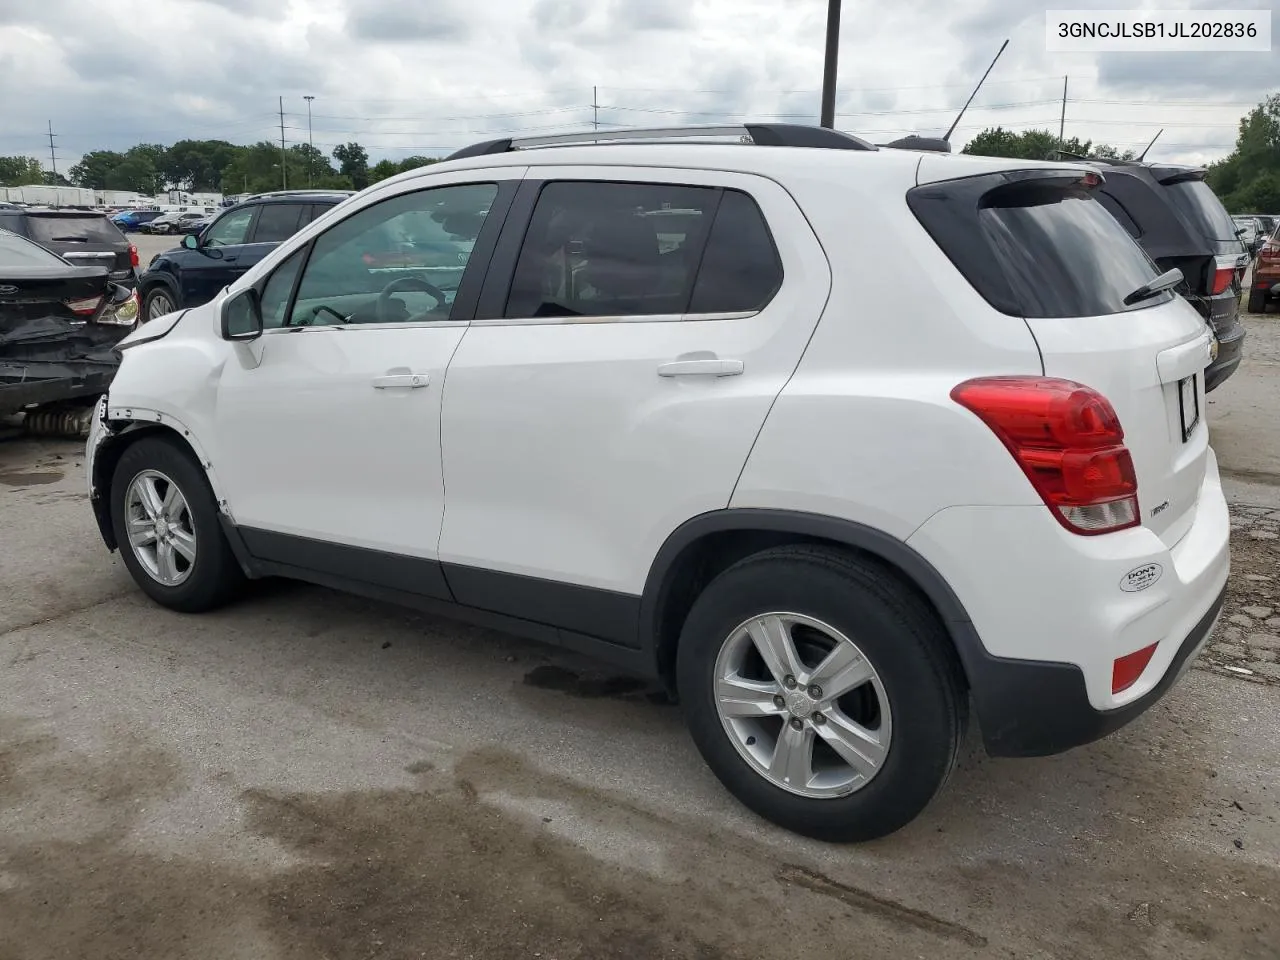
x=829, y=68
x=595, y=108
x=284, y=173
x=311, y=146
x=1062, y=119
x=53, y=157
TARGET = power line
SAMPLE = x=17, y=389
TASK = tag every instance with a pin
x=53, y=157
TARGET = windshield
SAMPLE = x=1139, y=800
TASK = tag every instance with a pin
x=17, y=252
x=72, y=229
x=1202, y=209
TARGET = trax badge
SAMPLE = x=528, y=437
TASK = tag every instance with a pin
x=1141, y=577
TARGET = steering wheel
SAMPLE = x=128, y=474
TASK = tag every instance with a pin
x=405, y=283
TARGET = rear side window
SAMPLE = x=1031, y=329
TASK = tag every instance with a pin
x=276, y=222
x=1036, y=247
x=73, y=230
x=1117, y=210
x=643, y=249
x=740, y=269
x=1202, y=209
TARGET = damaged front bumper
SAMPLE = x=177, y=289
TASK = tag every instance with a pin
x=47, y=359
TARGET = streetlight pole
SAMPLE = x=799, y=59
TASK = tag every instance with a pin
x=310, y=146
x=829, y=68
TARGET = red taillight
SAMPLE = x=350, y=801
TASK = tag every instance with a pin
x=1127, y=669
x=1068, y=441
x=1224, y=272
x=1270, y=252
x=133, y=255
x=85, y=307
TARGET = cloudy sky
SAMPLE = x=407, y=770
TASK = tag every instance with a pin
x=426, y=76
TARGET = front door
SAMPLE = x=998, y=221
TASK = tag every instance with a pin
x=329, y=423
x=216, y=264
x=617, y=374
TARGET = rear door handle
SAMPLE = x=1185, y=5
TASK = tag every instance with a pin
x=700, y=368
x=410, y=381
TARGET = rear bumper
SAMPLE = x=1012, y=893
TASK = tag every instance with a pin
x=1230, y=351
x=1030, y=709
x=16, y=396
x=1046, y=633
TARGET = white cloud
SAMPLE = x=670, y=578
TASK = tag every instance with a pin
x=427, y=77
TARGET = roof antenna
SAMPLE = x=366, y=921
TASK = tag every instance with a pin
x=947, y=135
x=1142, y=156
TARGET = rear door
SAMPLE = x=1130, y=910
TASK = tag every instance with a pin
x=632, y=335
x=85, y=239
x=1044, y=249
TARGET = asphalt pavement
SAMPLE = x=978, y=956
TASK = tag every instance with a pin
x=307, y=774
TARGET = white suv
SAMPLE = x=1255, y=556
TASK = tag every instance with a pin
x=834, y=440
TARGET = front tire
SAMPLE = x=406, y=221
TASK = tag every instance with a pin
x=821, y=692
x=1258, y=301
x=166, y=524
x=157, y=303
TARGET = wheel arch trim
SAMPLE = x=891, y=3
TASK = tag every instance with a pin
x=123, y=426
x=914, y=567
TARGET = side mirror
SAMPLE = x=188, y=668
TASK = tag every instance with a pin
x=242, y=316
x=191, y=241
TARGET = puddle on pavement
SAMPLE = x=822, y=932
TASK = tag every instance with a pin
x=30, y=478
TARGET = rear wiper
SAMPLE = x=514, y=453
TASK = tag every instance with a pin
x=1166, y=281
x=69, y=240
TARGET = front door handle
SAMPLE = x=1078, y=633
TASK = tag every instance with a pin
x=411, y=381
x=700, y=368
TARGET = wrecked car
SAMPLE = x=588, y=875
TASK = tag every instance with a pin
x=59, y=324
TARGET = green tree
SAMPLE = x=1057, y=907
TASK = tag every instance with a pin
x=413, y=163
x=197, y=165
x=353, y=162
x=1037, y=145
x=382, y=170
x=1246, y=178
x=20, y=171
x=51, y=179
x=95, y=168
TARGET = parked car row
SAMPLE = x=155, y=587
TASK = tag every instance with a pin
x=59, y=323
x=227, y=247
x=665, y=403
x=1265, y=288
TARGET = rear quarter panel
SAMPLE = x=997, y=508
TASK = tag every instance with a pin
x=866, y=430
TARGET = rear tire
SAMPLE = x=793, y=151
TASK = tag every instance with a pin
x=903, y=749
x=1258, y=301
x=184, y=562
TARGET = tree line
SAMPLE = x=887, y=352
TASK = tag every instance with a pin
x=213, y=166
x=1247, y=180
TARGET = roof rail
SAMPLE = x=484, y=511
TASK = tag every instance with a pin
x=914, y=142
x=760, y=134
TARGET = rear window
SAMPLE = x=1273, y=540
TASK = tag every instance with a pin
x=73, y=230
x=17, y=252
x=1202, y=209
x=1037, y=247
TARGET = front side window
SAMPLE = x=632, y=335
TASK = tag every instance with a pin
x=230, y=230
x=398, y=261
x=275, y=295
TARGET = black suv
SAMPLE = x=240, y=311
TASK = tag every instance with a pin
x=193, y=273
x=1180, y=222
x=82, y=237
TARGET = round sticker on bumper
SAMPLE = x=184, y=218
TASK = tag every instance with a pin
x=1141, y=577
